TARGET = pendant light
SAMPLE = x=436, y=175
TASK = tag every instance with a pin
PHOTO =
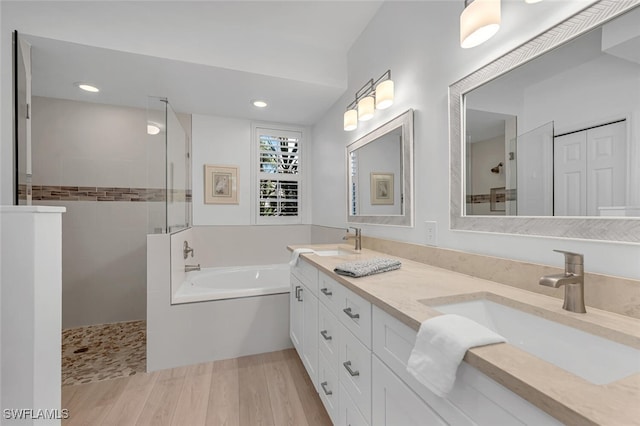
x=479, y=21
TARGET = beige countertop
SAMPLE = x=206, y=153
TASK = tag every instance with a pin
x=407, y=292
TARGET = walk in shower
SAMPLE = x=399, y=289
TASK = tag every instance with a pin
x=169, y=160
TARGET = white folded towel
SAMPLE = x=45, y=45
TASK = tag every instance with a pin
x=296, y=254
x=440, y=346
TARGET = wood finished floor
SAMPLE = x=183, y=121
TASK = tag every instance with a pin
x=266, y=389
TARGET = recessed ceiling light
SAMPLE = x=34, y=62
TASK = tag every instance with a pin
x=152, y=129
x=88, y=87
x=259, y=104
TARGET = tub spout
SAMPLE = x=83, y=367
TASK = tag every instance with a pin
x=189, y=268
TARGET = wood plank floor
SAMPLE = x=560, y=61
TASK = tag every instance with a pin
x=271, y=389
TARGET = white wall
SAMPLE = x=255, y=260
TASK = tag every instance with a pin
x=221, y=141
x=424, y=55
x=228, y=141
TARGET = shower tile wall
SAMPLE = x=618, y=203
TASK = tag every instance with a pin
x=81, y=144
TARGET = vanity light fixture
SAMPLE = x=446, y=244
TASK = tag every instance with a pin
x=87, y=87
x=479, y=21
x=375, y=94
x=532, y=1
x=259, y=103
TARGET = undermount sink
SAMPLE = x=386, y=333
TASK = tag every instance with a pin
x=594, y=358
x=336, y=252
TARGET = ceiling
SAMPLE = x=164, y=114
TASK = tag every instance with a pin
x=206, y=57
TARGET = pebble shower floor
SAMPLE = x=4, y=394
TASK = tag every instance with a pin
x=101, y=352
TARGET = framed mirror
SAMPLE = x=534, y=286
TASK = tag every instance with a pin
x=380, y=175
x=546, y=139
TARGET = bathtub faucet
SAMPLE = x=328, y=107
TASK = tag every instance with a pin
x=186, y=250
x=189, y=268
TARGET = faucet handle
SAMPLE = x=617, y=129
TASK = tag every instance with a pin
x=358, y=230
x=571, y=258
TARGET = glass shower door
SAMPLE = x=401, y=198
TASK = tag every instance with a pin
x=169, y=169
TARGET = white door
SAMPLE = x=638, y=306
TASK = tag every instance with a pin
x=570, y=175
x=606, y=167
x=590, y=170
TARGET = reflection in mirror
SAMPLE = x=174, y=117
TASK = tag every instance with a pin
x=560, y=135
x=380, y=175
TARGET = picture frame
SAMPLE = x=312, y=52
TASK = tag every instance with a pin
x=382, y=188
x=220, y=184
x=497, y=199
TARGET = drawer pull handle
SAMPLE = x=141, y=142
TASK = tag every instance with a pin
x=326, y=291
x=350, y=314
x=324, y=334
x=300, y=294
x=347, y=365
x=324, y=388
x=297, y=291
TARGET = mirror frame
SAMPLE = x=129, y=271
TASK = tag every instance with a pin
x=405, y=121
x=622, y=229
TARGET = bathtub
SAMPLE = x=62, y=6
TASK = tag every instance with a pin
x=232, y=283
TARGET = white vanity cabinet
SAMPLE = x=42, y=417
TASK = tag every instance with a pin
x=303, y=327
x=474, y=400
x=356, y=355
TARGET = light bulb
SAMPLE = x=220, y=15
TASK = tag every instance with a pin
x=350, y=120
x=384, y=94
x=479, y=21
x=366, y=108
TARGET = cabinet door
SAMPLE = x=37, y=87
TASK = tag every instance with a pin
x=395, y=404
x=310, y=335
x=295, y=315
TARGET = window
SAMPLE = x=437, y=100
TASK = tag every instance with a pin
x=279, y=176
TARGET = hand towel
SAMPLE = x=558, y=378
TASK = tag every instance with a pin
x=440, y=346
x=366, y=267
x=296, y=254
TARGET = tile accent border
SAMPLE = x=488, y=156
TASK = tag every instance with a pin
x=100, y=193
x=609, y=293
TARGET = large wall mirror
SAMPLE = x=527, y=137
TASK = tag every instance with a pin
x=380, y=174
x=546, y=139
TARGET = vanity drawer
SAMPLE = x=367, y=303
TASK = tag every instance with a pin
x=329, y=291
x=329, y=335
x=349, y=413
x=393, y=342
x=355, y=313
x=355, y=371
x=306, y=273
x=328, y=388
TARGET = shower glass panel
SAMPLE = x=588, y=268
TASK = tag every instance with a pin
x=169, y=169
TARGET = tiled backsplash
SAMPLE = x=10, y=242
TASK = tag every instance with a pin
x=613, y=294
x=99, y=193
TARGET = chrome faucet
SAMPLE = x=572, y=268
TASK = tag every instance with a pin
x=186, y=250
x=572, y=280
x=189, y=268
x=357, y=237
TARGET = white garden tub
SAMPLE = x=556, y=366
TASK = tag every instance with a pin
x=233, y=282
